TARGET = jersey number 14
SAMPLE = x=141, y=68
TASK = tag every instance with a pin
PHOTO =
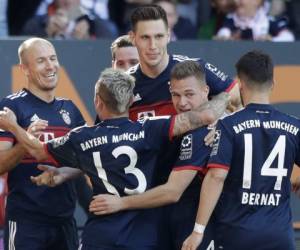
x=266, y=170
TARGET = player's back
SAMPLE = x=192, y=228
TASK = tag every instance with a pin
x=119, y=156
x=262, y=145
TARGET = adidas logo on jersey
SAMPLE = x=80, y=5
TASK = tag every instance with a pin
x=137, y=98
x=34, y=118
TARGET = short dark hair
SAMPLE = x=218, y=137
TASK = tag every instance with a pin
x=255, y=68
x=188, y=68
x=148, y=13
x=120, y=42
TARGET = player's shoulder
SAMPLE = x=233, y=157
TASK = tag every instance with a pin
x=287, y=117
x=152, y=119
x=175, y=58
x=15, y=101
x=16, y=96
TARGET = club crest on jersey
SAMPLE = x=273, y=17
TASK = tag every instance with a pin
x=186, y=148
x=66, y=116
x=215, y=146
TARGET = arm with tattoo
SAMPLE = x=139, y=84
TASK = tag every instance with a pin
x=207, y=113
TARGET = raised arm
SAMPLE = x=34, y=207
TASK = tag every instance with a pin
x=204, y=115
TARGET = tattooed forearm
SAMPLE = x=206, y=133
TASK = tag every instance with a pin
x=219, y=104
x=204, y=115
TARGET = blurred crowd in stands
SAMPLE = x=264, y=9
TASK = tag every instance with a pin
x=267, y=20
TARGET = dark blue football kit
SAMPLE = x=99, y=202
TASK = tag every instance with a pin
x=119, y=156
x=39, y=217
x=193, y=155
x=259, y=146
x=152, y=98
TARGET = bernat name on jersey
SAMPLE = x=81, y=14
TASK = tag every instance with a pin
x=248, y=124
x=97, y=141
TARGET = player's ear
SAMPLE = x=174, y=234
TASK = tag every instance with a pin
x=131, y=101
x=132, y=37
x=24, y=69
x=169, y=35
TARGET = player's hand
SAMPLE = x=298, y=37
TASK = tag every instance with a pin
x=192, y=242
x=105, y=204
x=7, y=119
x=50, y=176
x=36, y=128
x=209, y=138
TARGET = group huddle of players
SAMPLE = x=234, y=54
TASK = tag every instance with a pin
x=159, y=181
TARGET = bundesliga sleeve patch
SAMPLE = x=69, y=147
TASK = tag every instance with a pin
x=186, y=148
x=216, y=142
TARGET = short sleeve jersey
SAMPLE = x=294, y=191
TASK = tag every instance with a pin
x=119, y=156
x=193, y=155
x=258, y=145
x=25, y=199
x=152, y=95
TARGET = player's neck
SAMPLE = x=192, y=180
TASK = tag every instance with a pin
x=154, y=71
x=257, y=97
x=110, y=116
x=46, y=96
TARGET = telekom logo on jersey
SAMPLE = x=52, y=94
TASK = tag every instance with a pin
x=47, y=136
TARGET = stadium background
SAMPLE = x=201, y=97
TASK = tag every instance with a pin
x=82, y=62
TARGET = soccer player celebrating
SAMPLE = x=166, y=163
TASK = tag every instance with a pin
x=38, y=217
x=248, y=181
x=189, y=91
x=150, y=34
x=118, y=155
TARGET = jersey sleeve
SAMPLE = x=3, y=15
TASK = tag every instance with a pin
x=217, y=80
x=222, y=149
x=193, y=154
x=5, y=135
x=62, y=151
x=159, y=130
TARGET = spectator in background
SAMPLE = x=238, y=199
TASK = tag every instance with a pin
x=67, y=20
x=18, y=13
x=121, y=10
x=220, y=8
x=180, y=27
x=124, y=54
x=293, y=10
x=251, y=22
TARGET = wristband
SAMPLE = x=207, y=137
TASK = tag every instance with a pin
x=198, y=228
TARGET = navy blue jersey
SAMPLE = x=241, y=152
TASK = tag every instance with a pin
x=258, y=145
x=193, y=155
x=119, y=156
x=152, y=95
x=26, y=201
